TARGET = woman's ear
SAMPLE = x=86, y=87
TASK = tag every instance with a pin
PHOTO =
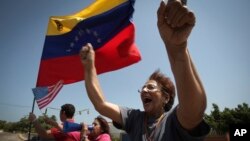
x=166, y=98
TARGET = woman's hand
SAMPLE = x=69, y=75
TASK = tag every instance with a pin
x=84, y=132
x=175, y=23
x=87, y=55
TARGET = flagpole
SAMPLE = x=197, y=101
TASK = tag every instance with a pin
x=32, y=111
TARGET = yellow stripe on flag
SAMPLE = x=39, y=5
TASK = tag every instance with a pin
x=62, y=24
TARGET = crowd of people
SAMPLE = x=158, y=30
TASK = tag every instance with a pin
x=99, y=132
x=159, y=120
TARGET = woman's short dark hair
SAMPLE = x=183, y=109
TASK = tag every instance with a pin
x=104, y=124
x=68, y=109
x=166, y=85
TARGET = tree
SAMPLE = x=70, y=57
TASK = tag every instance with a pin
x=220, y=121
x=2, y=124
x=42, y=122
x=23, y=124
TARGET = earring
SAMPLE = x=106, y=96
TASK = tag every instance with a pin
x=166, y=102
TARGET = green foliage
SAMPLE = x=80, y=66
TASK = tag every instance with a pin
x=43, y=124
x=220, y=120
x=2, y=124
x=23, y=125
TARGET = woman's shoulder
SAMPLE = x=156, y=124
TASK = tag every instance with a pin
x=126, y=110
x=104, y=137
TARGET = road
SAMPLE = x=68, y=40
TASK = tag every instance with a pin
x=9, y=137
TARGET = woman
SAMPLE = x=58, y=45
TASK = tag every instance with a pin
x=158, y=121
x=100, y=131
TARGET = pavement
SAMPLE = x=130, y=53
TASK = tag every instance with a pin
x=4, y=136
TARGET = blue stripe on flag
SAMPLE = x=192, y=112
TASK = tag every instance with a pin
x=97, y=30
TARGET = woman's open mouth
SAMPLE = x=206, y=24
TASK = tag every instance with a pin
x=147, y=101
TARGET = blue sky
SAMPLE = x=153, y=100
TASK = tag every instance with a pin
x=219, y=45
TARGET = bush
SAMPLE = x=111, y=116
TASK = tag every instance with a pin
x=221, y=120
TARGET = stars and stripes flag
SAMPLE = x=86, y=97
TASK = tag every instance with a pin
x=44, y=95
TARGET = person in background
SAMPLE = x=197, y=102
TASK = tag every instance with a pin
x=99, y=132
x=66, y=114
x=159, y=121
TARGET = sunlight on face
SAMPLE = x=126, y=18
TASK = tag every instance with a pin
x=152, y=98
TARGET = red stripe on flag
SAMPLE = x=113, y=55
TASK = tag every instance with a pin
x=117, y=53
x=52, y=92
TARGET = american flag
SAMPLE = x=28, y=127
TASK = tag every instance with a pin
x=44, y=95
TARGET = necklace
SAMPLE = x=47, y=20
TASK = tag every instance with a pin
x=149, y=136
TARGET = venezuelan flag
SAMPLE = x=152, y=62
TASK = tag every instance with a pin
x=106, y=24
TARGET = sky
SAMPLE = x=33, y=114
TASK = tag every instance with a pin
x=219, y=46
